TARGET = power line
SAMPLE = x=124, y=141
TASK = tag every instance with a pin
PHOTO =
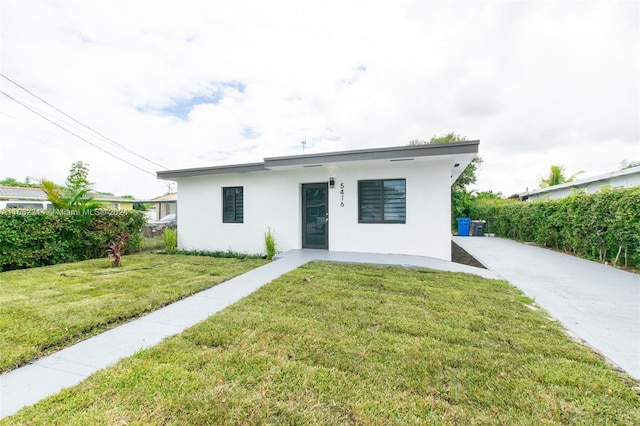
x=61, y=121
x=77, y=136
x=82, y=124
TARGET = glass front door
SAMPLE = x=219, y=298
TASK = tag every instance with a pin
x=315, y=216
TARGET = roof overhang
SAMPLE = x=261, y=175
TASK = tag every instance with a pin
x=579, y=183
x=459, y=154
x=37, y=194
x=214, y=170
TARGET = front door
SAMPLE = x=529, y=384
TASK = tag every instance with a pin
x=315, y=216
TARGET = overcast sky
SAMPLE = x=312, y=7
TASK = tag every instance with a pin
x=199, y=83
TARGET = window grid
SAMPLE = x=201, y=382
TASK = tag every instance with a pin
x=233, y=204
x=382, y=201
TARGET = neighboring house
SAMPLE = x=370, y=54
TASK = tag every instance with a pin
x=114, y=202
x=162, y=214
x=386, y=200
x=625, y=178
x=35, y=198
x=164, y=205
x=23, y=198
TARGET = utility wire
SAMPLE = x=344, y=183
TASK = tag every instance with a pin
x=82, y=124
x=52, y=116
x=77, y=136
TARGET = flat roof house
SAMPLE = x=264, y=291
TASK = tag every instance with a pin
x=625, y=178
x=385, y=200
x=35, y=198
x=163, y=205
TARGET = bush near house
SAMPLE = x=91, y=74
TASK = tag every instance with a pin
x=170, y=240
x=604, y=226
x=30, y=238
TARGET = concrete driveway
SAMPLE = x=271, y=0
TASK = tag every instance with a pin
x=597, y=303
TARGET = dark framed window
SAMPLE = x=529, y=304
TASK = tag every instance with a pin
x=232, y=204
x=382, y=201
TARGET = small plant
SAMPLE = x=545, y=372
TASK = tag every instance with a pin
x=221, y=254
x=116, y=250
x=269, y=244
x=170, y=239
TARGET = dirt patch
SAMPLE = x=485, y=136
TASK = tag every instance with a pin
x=459, y=255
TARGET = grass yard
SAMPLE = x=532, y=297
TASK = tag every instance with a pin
x=152, y=243
x=48, y=308
x=345, y=344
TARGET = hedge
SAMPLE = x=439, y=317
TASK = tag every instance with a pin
x=603, y=226
x=30, y=238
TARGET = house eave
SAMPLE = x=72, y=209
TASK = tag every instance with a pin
x=213, y=170
x=400, y=153
x=391, y=153
x=579, y=183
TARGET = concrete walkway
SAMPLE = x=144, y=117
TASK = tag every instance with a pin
x=597, y=303
x=46, y=376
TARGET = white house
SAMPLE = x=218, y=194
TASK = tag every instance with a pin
x=12, y=197
x=386, y=200
x=625, y=178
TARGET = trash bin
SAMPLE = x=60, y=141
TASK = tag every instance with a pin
x=463, y=226
x=477, y=228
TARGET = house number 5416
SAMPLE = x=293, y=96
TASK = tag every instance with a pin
x=342, y=194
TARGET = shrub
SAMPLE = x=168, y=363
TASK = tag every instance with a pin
x=223, y=254
x=170, y=239
x=30, y=238
x=116, y=251
x=103, y=226
x=603, y=226
x=270, y=244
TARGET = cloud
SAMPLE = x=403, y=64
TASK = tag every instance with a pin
x=190, y=84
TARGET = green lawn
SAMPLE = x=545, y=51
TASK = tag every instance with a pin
x=45, y=309
x=345, y=344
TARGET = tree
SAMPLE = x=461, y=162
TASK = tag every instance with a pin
x=468, y=176
x=557, y=177
x=14, y=182
x=75, y=194
x=460, y=196
x=627, y=165
x=489, y=195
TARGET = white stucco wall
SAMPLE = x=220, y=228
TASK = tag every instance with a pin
x=427, y=231
x=273, y=198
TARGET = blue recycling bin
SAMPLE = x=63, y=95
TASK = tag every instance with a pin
x=464, y=224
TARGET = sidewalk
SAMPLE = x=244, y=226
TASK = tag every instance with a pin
x=46, y=376
x=597, y=303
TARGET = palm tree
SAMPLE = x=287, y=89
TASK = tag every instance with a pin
x=54, y=194
x=556, y=177
x=75, y=195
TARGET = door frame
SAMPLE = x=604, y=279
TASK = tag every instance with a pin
x=303, y=206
